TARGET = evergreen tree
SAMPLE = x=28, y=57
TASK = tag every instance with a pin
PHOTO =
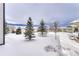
x=42, y=28
x=29, y=29
x=18, y=30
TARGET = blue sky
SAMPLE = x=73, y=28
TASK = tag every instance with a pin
x=64, y=13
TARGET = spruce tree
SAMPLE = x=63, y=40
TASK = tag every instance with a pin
x=42, y=28
x=18, y=30
x=29, y=29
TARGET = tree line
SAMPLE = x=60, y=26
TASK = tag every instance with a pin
x=29, y=30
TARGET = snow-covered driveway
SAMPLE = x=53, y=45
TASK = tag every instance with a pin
x=70, y=47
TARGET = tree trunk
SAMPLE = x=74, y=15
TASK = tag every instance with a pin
x=29, y=37
x=42, y=34
x=55, y=36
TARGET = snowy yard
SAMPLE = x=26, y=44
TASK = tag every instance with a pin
x=17, y=45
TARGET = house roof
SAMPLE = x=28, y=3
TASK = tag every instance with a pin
x=75, y=21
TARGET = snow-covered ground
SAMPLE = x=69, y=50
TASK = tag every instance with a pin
x=69, y=47
x=17, y=45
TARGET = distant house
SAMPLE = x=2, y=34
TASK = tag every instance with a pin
x=75, y=25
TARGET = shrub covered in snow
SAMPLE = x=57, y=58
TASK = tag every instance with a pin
x=18, y=30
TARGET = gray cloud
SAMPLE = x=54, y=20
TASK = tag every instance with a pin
x=19, y=13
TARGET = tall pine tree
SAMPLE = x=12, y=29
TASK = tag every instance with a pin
x=42, y=28
x=29, y=29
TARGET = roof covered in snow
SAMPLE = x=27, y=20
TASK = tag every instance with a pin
x=75, y=21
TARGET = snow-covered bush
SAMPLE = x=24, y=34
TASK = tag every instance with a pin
x=18, y=30
x=6, y=28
